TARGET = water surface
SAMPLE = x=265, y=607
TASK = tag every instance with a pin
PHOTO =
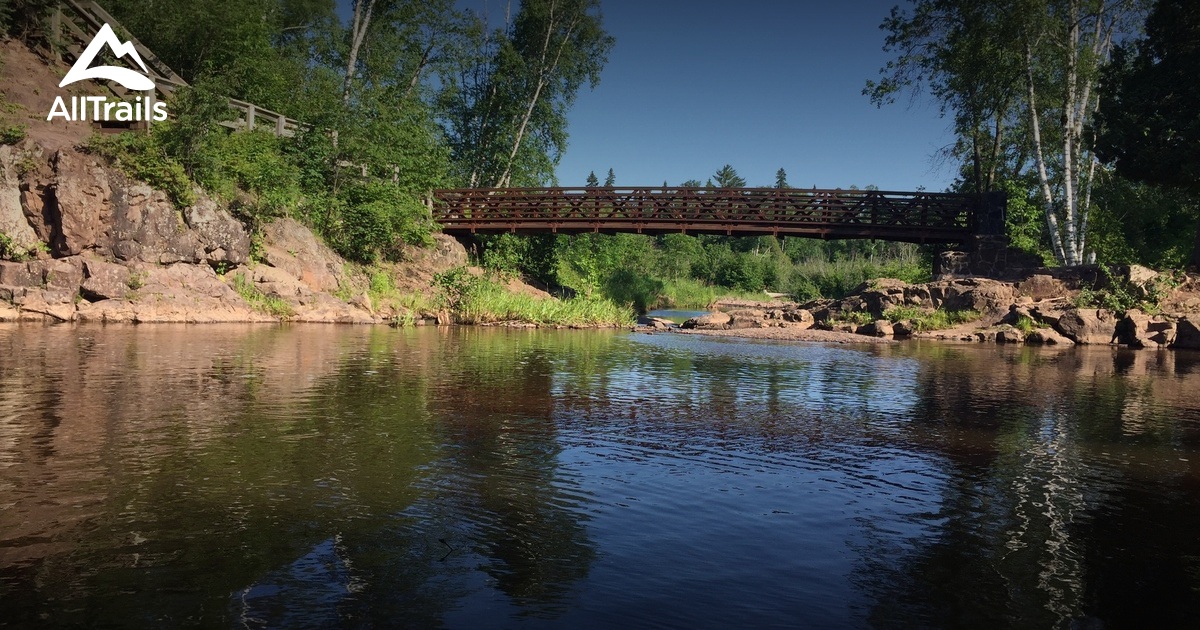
x=322, y=476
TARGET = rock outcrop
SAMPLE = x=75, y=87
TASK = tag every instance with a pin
x=117, y=250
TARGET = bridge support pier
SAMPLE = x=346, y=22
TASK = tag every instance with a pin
x=986, y=253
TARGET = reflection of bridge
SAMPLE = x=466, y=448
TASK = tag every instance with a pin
x=917, y=217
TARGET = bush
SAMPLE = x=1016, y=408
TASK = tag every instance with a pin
x=141, y=156
x=375, y=218
x=924, y=320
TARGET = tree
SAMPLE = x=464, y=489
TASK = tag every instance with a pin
x=506, y=103
x=781, y=179
x=611, y=179
x=727, y=177
x=592, y=180
x=1148, y=125
x=1027, y=66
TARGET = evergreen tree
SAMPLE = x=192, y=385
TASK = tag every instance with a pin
x=592, y=180
x=611, y=180
x=781, y=179
x=727, y=177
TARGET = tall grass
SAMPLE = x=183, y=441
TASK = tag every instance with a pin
x=493, y=303
x=923, y=319
x=821, y=278
x=689, y=294
x=482, y=300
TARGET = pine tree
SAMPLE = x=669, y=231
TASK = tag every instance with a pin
x=611, y=180
x=592, y=180
x=781, y=179
x=727, y=177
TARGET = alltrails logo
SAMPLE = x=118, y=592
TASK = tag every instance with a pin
x=141, y=109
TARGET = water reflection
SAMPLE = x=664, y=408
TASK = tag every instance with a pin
x=319, y=476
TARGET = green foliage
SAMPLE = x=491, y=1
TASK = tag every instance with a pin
x=1149, y=99
x=12, y=133
x=819, y=278
x=1118, y=295
x=480, y=299
x=1026, y=324
x=923, y=320
x=141, y=156
x=136, y=279
x=9, y=250
x=858, y=318
x=375, y=219
x=259, y=301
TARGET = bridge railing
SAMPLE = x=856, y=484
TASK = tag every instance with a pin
x=909, y=216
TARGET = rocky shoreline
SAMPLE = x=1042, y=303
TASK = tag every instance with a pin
x=96, y=246
x=1039, y=309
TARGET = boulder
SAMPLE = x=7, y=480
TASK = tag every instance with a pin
x=13, y=223
x=1187, y=334
x=877, y=328
x=747, y=318
x=717, y=320
x=104, y=281
x=223, y=237
x=294, y=249
x=1087, y=325
x=1041, y=287
x=1008, y=334
x=82, y=195
x=1047, y=336
x=18, y=274
x=903, y=328
x=799, y=318
x=656, y=323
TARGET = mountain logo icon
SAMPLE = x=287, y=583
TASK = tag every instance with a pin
x=126, y=77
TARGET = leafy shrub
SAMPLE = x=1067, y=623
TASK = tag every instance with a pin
x=141, y=156
x=260, y=301
x=12, y=134
x=924, y=320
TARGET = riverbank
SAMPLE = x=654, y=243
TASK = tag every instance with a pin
x=1133, y=306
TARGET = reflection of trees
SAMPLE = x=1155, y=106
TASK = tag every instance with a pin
x=1037, y=524
x=498, y=485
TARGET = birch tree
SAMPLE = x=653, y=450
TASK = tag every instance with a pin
x=1026, y=71
x=1065, y=43
x=506, y=106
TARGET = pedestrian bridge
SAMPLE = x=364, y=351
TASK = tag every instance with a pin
x=915, y=217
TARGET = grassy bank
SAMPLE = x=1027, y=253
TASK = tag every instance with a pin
x=477, y=299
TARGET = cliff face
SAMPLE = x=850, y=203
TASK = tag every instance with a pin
x=102, y=247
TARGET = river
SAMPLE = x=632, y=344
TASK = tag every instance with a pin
x=324, y=476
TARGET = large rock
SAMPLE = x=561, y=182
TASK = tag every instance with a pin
x=1041, y=287
x=884, y=293
x=1087, y=325
x=1187, y=334
x=1139, y=330
x=799, y=318
x=877, y=328
x=1047, y=336
x=147, y=227
x=716, y=320
x=105, y=281
x=13, y=223
x=977, y=294
x=746, y=318
x=223, y=237
x=83, y=204
x=445, y=254
x=294, y=249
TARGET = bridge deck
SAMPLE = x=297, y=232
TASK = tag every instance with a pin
x=918, y=217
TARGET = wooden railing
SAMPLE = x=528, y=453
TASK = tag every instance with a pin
x=74, y=23
x=899, y=216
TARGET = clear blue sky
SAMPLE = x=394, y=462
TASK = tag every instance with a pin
x=760, y=84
